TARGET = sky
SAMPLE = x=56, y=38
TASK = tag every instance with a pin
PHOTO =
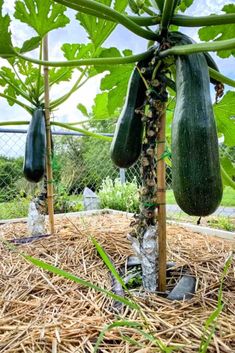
x=121, y=38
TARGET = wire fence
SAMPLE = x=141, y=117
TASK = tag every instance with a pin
x=78, y=162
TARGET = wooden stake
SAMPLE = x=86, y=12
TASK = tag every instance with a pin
x=161, y=197
x=48, y=139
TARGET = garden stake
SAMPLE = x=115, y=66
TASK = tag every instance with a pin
x=161, y=197
x=48, y=139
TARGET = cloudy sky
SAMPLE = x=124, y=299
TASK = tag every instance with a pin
x=120, y=38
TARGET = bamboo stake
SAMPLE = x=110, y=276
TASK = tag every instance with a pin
x=161, y=197
x=48, y=138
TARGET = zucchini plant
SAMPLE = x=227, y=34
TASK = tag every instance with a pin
x=171, y=62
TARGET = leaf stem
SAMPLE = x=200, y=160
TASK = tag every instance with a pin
x=85, y=132
x=76, y=85
x=68, y=126
x=191, y=21
x=159, y=4
x=227, y=178
x=16, y=101
x=199, y=47
x=17, y=89
x=186, y=21
x=19, y=78
x=85, y=5
x=147, y=10
x=91, y=61
x=221, y=78
x=167, y=12
x=7, y=123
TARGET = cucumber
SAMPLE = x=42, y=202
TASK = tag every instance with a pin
x=35, y=148
x=196, y=176
x=127, y=141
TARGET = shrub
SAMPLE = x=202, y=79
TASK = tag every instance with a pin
x=118, y=196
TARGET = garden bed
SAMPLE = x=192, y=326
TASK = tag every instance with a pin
x=42, y=312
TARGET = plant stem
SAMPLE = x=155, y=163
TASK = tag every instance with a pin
x=7, y=123
x=76, y=86
x=227, y=178
x=221, y=78
x=17, y=89
x=85, y=132
x=68, y=126
x=148, y=11
x=16, y=101
x=199, y=47
x=158, y=4
x=20, y=79
x=190, y=21
x=146, y=20
x=92, y=61
x=168, y=10
x=48, y=139
x=117, y=16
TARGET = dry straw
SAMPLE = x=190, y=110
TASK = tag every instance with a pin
x=42, y=312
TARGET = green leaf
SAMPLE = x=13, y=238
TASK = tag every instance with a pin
x=220, y=32
x=99, y=29
x=80, y=51
x=42, y=16
x=60, y=74
x=184, y=4
x=6, y=47
x=100, y=108
x=77, y=51
x=116, y=81
x=224, y=113
x=83, y=110
x=31, y=44
x=229, y=168
x=7, y=75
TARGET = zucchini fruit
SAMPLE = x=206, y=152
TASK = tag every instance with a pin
x=181, y=38
x=127, y=141
x=196, y=175
x=35, y=148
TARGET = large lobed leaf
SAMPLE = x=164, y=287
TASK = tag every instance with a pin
x=7, y=73
x=113, y=85
x=6, y=47
x=220, y=32
x=99, y=29
x=224, y=113
x=42, y=16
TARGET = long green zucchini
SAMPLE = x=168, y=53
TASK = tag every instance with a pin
x=127, y=141
x=35, y=148
x=181, y=38
x=196, y=172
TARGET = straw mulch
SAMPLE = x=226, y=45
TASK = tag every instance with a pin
x=42, y=312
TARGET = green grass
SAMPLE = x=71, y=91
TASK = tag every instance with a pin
x=19, y=207
x=14, y=209
x=228, y=199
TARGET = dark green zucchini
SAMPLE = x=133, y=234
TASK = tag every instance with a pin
x=196, y=174
x=35, y=148
x=181, y=38
x=127, y=141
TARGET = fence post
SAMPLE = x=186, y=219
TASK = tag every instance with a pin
x=122, y=175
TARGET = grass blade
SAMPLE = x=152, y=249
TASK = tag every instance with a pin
x=70, y=276
x=108, y=262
